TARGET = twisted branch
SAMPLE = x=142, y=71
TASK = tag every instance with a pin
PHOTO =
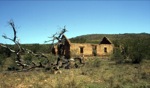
x=21, y=49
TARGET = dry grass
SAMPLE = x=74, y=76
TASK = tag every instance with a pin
x=97, y=73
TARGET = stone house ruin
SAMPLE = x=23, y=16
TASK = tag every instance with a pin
x=104, y=48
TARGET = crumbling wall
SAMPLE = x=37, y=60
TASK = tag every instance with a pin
x=82, y=49
x=104, y=49
x=101, y=50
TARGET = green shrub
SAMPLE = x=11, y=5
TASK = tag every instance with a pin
x=28, y=58
x=12, y=66
x=93, y=63
x=136, y=57
x=5, y=52
x=117, y=56
x=2, y=60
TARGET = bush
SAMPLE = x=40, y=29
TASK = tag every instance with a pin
x=136, y=57
x=28, y=58
x=2, y=60
x=117, y=56
x=93, y=63
x=5, y=52
x=12, y=68
x=135, y=50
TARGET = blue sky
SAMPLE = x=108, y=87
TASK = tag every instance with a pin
x=36, y=20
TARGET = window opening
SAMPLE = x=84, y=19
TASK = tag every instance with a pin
x=105, y=50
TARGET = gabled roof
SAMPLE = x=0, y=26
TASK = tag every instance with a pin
x=105, y=40
x=67, y=40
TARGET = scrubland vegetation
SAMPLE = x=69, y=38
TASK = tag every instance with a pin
x=127, y=67
x=97, y=73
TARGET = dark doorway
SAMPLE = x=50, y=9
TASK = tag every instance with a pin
x=81, y=49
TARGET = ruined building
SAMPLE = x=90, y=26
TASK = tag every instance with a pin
x=104, y=48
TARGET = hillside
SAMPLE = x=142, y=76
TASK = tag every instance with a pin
x=96, y=38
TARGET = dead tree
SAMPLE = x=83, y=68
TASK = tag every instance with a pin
x=60, y=47
x=16, y=42
x=62, y=60
x=20, y=50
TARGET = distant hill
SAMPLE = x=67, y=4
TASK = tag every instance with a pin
x=96, y=38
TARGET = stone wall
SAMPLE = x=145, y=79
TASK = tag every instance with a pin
x=77, y=47
x=101, y=50
x=105, y=48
